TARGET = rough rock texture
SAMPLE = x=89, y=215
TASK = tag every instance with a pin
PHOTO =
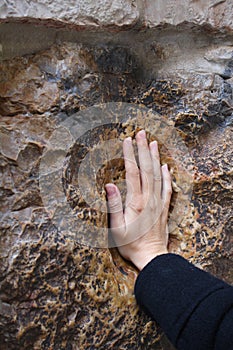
x=56, y=293
x=214, y=13
x=118, y=13
x=78, y=12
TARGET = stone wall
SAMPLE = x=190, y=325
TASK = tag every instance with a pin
x=162, y=63
x=118, y=13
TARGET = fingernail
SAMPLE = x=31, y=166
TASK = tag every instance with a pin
x=128, y=139
x=111, y=189
x=142, y=134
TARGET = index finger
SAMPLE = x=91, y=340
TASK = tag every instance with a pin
x=145, y=161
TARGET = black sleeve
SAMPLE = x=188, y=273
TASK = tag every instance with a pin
x=193, y=308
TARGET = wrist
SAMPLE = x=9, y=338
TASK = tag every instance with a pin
x=141, y=262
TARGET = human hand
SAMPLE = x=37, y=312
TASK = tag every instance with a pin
x=140, y=231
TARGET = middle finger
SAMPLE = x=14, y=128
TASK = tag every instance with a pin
x=145, y=162
x=133, y=182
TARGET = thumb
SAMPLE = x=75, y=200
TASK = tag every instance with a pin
x=117, y=222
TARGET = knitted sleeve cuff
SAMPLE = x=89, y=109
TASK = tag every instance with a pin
x=169, y=288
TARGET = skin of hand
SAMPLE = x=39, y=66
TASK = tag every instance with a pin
x=140, y=231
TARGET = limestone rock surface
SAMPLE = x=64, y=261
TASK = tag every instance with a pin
x=78, y=12
x=171, y=63
x=104, y=13
x=55, y=292
x=213, y=13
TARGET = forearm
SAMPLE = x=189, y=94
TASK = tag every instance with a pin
x=188, y=303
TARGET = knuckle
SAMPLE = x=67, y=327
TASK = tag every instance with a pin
x=155, y=157
x=132, y=171
x=150, y=172
x=114, y=204
x=148, y=169
x=157, y=178
x=137, y=206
